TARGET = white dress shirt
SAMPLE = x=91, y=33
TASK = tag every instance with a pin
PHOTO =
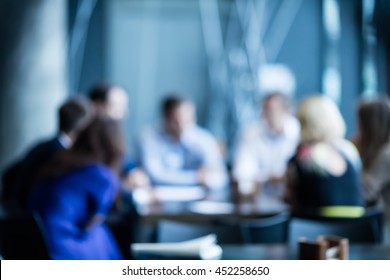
x=65, y=140
x=170, y=161
x=262, y=153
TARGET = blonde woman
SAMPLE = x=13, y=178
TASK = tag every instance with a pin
x=323, y=175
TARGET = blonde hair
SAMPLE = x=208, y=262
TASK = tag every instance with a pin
x=320, y=120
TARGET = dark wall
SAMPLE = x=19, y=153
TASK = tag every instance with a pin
x=32, y=73
x=350, y=61
x=302, y=50
x=11, y=32
x=382, y=16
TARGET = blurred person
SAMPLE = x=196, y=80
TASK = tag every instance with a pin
x=373, y=143
x=179, y=152
x=266, y=146
x=123, y=219
x=77, y=189
x=323, y=178
x=112, y=100
x=18, y=180
x=109, y=100
x=276, y=77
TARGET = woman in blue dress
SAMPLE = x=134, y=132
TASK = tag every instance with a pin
x=76, y=191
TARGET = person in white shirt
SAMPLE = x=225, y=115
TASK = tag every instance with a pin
x=266, y=146
x=179, y=152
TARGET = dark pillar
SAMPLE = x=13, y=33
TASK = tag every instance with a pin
x=32, y=72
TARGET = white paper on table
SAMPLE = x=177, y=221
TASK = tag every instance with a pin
x=212, y=207
x=204, y=248
x=170, y=193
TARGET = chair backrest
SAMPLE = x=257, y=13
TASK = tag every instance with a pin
x=273, y=229
x=22, y=238
x=365, y=229
x=175, y=231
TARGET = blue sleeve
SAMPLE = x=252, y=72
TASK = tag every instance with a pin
x=105, y=190
x=128, y=164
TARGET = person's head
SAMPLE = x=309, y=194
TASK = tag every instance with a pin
x=178, y=115
x=102, y=142
x=276, y=110
x=109, y=100
x=321, y=120
x=99, y=142
x=73, y=116
x=374, y=129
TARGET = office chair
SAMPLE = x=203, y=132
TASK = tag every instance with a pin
x=174, y=231
x=273, y=229
x=22, y=238
x=364, y=229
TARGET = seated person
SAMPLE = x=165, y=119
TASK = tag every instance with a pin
x=322, y=179
x=179, y=152
x=18, y=180
x=373, y=143
x=109, y=100
x=266, y=146
x=112, y=101
x=76, y=190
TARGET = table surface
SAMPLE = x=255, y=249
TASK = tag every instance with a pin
x=267, y=203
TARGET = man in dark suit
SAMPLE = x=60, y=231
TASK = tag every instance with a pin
x=19, y=179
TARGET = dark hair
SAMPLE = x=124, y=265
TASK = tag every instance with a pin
x=99, y=93
x=170, y=103
x=100, y=142
x=74, y=115
x=374, y=125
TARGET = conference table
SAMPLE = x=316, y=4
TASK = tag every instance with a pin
x=196, y=204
